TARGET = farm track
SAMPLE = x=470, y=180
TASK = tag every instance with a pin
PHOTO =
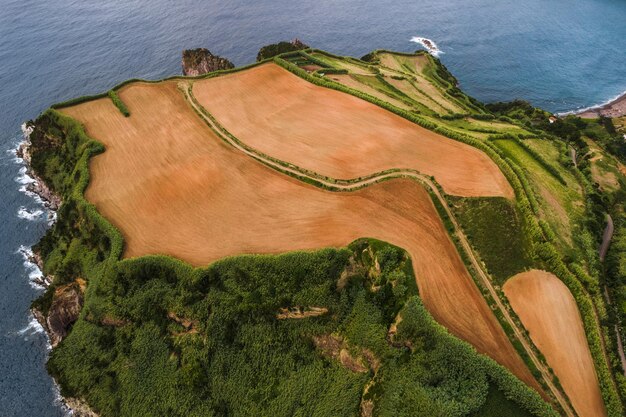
x=606, y=237
x=352, y=185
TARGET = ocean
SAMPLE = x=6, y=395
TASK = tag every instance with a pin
x=557, y=54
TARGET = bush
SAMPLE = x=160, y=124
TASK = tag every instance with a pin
x=119, y=103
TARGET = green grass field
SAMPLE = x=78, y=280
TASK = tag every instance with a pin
x=560, y=205
x=494, y=229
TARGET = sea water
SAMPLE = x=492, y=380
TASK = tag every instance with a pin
x=558, y=54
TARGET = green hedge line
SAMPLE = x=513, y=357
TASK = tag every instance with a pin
x=326, y=65
x=548, y=167
x=119, y=103
x=117, y=87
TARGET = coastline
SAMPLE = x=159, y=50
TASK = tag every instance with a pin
x=615, y=107
x=40, y=191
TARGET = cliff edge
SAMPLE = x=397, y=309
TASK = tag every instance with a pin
x=201, y=61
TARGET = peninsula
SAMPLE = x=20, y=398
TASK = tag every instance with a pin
x=314, y=234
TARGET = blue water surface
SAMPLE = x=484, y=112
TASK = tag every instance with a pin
x=558, y=54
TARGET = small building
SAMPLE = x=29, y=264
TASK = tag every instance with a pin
x=552, y=119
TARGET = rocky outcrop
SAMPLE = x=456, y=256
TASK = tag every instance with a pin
x=67, y=302
x=274, y=49
x=37, y=186
x=201, y=61
x=79, y=408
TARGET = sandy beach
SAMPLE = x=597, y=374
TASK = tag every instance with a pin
x=614, y=108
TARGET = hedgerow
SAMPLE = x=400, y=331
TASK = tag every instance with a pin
x=119, y=103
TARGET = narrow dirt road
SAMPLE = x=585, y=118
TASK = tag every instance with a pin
x=606, y=237
x=351, y=185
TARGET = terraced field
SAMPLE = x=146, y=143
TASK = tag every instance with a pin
x=173, y=187
x=339, y=135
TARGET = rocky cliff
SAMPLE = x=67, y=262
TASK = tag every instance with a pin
x=201, y=61
x=67, y=302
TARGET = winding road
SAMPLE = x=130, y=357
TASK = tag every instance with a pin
x=355, y=184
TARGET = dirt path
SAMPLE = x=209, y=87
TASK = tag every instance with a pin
x=572, y=153
x=606, y=237
x=338, y=185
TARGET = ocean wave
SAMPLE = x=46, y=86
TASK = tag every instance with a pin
x=24, y=213
x=33, y=327
x=23, y=177
x=36, y=277
x=429, y=44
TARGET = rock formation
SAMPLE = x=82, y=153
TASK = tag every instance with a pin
x=274, y=49
x=201, y=61
x=64, y=310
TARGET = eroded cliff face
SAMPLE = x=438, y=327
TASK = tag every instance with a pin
x=201, y=61
x=67, y=302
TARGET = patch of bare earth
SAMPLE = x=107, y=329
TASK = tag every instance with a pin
x=339, y=135
x=549, y=312
x=300, y=312
x=173, y=187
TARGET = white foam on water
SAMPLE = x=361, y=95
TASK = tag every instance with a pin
x=429, y=44
x=24, y=213
x=35, y=276
x=23, y=177
x=33, y=327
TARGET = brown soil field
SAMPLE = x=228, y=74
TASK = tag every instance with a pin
x=549, y=312
x=172, y=187
x=339, y=135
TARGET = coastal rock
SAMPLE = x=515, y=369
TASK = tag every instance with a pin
x=201, y=61
x=274, y=49
x=79, y=408
x=64, y=310
x=38, y=186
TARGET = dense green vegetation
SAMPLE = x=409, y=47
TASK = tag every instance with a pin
x=493, y=227
x=274, y=49
x=497, y=405
x=157, y=337
x=119, y=103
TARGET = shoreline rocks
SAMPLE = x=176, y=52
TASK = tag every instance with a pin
x=50, y=200
x=201, y=61
x=70, y=303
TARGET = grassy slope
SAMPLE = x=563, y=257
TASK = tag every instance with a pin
x=560, y=205
x=493, y=227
